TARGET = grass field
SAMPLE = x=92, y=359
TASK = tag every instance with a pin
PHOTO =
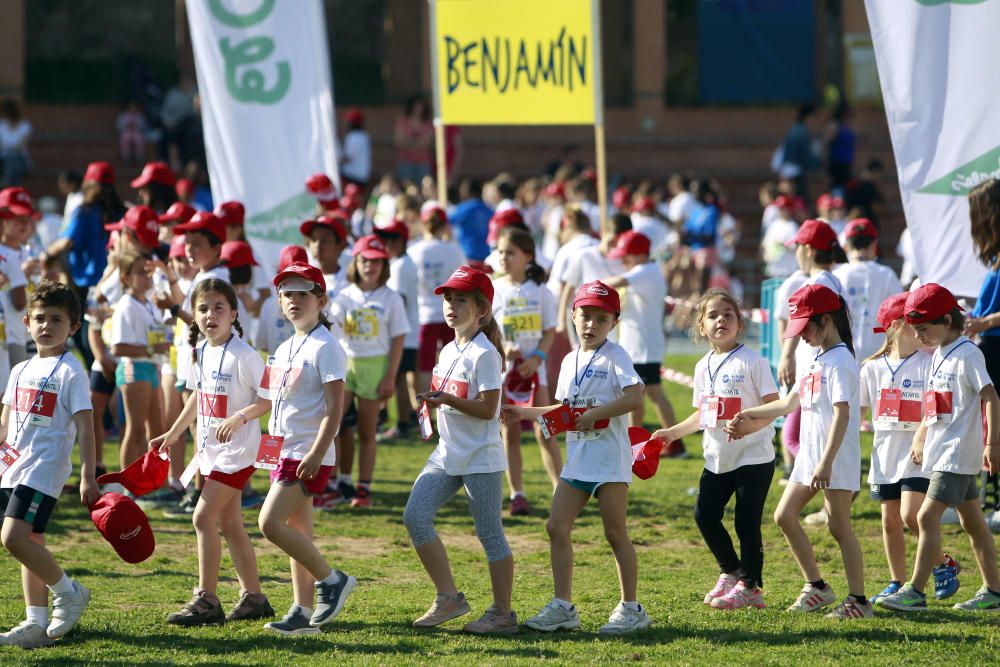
x=125, y=622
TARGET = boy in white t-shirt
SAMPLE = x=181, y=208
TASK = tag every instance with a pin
x=600, y=386
x=46, y=403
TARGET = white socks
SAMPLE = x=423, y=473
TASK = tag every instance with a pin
x=631, y=606
x=39, y=616
x=63, y=586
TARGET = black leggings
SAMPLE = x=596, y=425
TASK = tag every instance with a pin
x=750, y=483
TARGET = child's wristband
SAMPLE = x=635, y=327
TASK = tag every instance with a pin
x=539, y=354
x=242, y=416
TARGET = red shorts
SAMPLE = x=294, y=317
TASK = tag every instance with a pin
x=285, y=476
x=236, y=480
x=432, y=337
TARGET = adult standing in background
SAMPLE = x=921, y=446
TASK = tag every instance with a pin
x=470, y=221
x=798, y=155
x=840, y=147
x=15, y=133
x=356, y=156
x=414, y=139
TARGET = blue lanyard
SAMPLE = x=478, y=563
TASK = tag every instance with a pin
x=945, y=358
x=461, y=355
x=284, y=377
x=885, y=358
x=816, y=358
x=577, y=378
x=215, y=397
x=37, y=403
x=708, y=363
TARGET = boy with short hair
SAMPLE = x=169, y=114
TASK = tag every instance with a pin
x=46, y=403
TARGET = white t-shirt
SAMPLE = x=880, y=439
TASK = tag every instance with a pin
x=552, y=226
x=357, y=156
x=468, y=445
x=272, y=329
x=46, y=437
x=562, y=260
x=680, y=207
x=587, y=266
x=866, y=285
x=839, y=382
x=955, y=441
x=135, y=323
x=14, y=136
x=225, y=385
x=403, y=279
x=524, y=311
x=893, y=436
x=779, y=260
x=298, y=406
x=653, y=229
x=10, y=266
x=640, y=329
x=369, y=320
x=603, y=455
x=740, y=382
x=805, y=353
x=435, y=261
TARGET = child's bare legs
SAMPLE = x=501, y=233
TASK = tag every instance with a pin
x=548, y=447
x=612, y=499
x=138, y=399
x=567, y=503
x=786, y=515
x=286, y=521
x=515, y=464
x=367, y=420
x=28, y=547
x=219, y=508
x=974, y=523
x=173, y=402
x=434, y=557
x=100, y=402
x=893, y=540
x=838, y=508
x=909, y=509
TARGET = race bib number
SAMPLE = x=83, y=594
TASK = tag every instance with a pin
x=269, y=452
x=8, y=455
x=810, y=388
x=579, y=406
x=522, y=321
x=157, y=335
x=556, y=421
x=213, y=408
x=937, y=406
x=889, y=404
x=457, y=385
x=716, y=411
x=278, y=379
x=361, y=324
x=424, y=421
x=39, y=405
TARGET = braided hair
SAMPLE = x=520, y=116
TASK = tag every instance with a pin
x=200, y=290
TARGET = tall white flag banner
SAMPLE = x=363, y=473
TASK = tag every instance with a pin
x=267, y=110
x=939, y=66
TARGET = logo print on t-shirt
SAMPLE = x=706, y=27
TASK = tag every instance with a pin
x=907, y=383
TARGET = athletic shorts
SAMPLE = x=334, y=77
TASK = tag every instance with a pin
x=129, y=371
x=590, y=488
x=408, y=362
x=894, y=491
x=951, y=488
x=364, y=374
x=24, y=503
x=285, y=476
x=648, y=373
x=100, y=384
x=432, y=337
x=236, y=480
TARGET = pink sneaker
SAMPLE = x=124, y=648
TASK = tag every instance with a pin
x=725, y=584
x=739, y=597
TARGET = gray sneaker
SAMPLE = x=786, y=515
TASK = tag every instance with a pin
x=493, y=622
x=203, y=609
x=160, y=499
x=67, y=609
x=294, y=623
x=984, y=601
x=554, y=616
x=251, y=607
x=624, y=620
x=905, y=599
x=26, y=635
x=330, y=598
x=444, y=609
x=184, y=508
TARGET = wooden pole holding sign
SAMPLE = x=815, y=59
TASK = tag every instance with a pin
x=601, y=162
x=442, y=165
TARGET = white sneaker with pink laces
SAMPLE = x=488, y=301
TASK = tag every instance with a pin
x=740, y=596
x=725, y=584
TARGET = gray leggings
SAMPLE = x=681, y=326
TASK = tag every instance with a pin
x=434, y=487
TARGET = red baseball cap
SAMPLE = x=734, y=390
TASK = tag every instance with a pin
x=928, y=303
x=501, y=219
x=17, y=202
x=643, y=204
x=815, y=234
x=892, y=309
x=125, y=526
x=556, y=189
x=144, y=475
x=231, y=213
x=143, y=222
x=237, y=253
x=321, y=187
x=301, y=271
x=184, y=188
x=155, y=172
x=630, y=243
x=806, y=302
x=467, y=279
x=620, y=198
x=860, y=227
x=836, y=202
x=99, y=172
x=784, y=201
x=177, y=246
x=178, y=212
x=599, y=295
x=394, y=228
x=334, y=221
x=354, y=116
x=823, y=201
x=370, y=247
x=427, y=212
x=203, y=221
x=292, y=254
x=518, y=389
x=646, y=452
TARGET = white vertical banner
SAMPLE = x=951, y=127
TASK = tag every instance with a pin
x=939, y=67
x=267, y=110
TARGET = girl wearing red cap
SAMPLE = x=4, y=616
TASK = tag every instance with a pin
x=948, y=445
x=373, y=320
x=829, y=459
x=892, y=383
x=527, y=311
x=466, y=386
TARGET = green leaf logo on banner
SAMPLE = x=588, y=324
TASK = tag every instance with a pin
x=958, y=182
x=281, y=223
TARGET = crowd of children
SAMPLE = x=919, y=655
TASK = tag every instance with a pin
x=199, y=341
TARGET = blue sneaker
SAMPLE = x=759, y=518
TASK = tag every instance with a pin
x=330, y=598
x=946, y=581
x=891, y=589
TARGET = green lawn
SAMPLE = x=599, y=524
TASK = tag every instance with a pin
x=124, y=624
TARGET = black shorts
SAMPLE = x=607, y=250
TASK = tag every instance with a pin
x=895, y=491
x=648, y=373
x=408, y=362
x=24, y=503
x=101, y=384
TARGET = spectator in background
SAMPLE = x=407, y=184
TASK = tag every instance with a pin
x=200, y=195
x=131, y=126
x=779, y=259
x=862, y=196
x=839, y=147
x=356, y=156
x=414, y=139
x=156, y=186
x=15, y=133
x=798, y=155
x=700, y=232
x=471, y=222
x=69, y=187
x=681, y=200
x=178, y=106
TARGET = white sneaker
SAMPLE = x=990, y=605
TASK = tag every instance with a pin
x=26, y=635
x=552, y=617
x=812, y=598
x=624, y=620
x=950, y=517
x=67, y=610
x=816, y=518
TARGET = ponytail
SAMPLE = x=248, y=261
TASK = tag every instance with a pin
x=193, y=335
x=238, y=327
x=842, y=321
x=488, y=325
x=888, y=344
x=535, y=272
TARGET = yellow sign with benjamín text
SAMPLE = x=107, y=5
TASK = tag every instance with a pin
x=516, y=62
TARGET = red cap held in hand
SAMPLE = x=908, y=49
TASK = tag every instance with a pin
x=124, y=525
x=928, y=303
x=467, y=279
x=142, y=476
x=599, y=295
x=645, y=452
x=892, y=309
x=806, y=302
